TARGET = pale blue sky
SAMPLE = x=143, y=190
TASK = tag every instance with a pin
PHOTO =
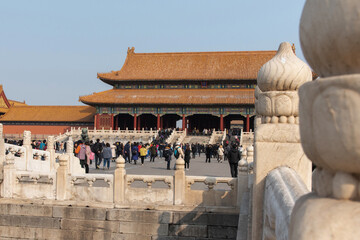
x=51, y=51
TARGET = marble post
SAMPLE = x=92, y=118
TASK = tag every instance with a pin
x=277, y=139
x=9, y=180
x=330, y=118
x=62, y=177
x=179, y=182
x=119, y=181
x=51, y=150
x=28, y=149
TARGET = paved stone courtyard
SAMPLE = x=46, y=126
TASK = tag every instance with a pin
x=198, y=167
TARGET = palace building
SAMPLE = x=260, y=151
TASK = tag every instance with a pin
x=203, y=89
x=42, y=121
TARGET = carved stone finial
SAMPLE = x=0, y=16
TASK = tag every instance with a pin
x=180, y=163
x=278, y=81
x=284, y=72
x=131, y=50
x=120, y=162
x=329, y=36
x=63, y=160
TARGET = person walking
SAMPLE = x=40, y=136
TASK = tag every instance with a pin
x=107, y=153
x=187, y=156
x=83, y=153
x=193, y=149
x=208, y=153
x=167, y=155
x=153, y=152
x=98, y=153
x=220, y=152
x=134, y=153
x=143, y=152
x=127, y=151
x=234, y=158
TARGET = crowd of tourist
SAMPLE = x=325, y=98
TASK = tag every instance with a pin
x=137, y=152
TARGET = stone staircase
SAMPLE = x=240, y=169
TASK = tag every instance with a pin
x=196, y=139
x=38, y=221
x=247, y=139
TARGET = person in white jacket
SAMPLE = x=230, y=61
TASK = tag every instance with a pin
x=220, y=154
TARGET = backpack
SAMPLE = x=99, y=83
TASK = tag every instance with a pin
x=166, y=154
x=133, y=151
x=176, y=153
x=82, y=151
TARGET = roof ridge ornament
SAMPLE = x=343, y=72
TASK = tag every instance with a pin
x=131, y=50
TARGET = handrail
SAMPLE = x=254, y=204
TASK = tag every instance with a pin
x=283, y=187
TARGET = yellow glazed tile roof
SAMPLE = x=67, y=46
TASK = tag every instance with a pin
x=49, y=114
x=189, y=66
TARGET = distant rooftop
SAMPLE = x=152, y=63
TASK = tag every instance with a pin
x=49, y=114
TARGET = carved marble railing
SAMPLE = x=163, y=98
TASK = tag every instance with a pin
x=223, y=136
x=246, y=138
x=149, y=194
x=29, y=159
x=19, y=154
x=182, y=136
x=65, y=180
x=110, y=135
x=34, y=185
x=211, y=196
x=216, y=136
x=91, y=188
x=282, y=188
x=175, y=135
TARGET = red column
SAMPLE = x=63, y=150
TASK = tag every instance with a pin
x=221, y=122
x=183, y=122
x=247, y=123
x=138, y=124
x=162, y=122
x=135, y=118
x=112, y=121
x=95, y=120
x=116, y=122
x=158, y=122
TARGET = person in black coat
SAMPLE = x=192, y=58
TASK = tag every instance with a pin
x=208, y=153
x=234, y=158
x=167, y=155
x=187, y=156
x=193, y=149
